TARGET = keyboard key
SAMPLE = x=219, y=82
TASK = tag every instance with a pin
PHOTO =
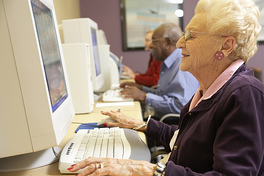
x=113, y=95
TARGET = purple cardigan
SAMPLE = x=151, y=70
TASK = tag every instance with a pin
x=223, y=135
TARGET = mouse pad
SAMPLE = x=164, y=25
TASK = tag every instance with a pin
x=86, y=126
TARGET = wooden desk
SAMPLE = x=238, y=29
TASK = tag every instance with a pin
x=52, y=169
x=126, y=80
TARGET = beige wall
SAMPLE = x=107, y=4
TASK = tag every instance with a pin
x=66, y=9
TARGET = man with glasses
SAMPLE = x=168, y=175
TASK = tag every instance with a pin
x=175, y=87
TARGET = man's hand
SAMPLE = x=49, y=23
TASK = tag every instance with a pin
x=124, y=84
x=133, y=92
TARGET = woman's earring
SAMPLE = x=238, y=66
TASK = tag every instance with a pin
x=219, y=55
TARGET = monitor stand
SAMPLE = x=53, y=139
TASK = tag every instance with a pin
x=30, y=160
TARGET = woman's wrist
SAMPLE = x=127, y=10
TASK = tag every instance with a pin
x=160, y=169
x=132, y=76
x=142, y=127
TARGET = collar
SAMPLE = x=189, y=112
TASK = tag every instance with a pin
x=170, y=60
x=217, y=84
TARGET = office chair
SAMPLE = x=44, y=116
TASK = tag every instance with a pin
x=170, y=119
x=157, y=152
x=148, y=109
x=257, y=73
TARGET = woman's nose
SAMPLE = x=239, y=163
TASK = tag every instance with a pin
x=181, y=43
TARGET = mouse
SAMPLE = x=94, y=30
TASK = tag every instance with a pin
x=109, y=119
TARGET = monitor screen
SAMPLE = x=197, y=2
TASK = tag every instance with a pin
x=96, y=52
x=50, y=53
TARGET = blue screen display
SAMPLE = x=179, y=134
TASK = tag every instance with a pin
x=50, y=52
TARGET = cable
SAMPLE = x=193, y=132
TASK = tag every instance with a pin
x=55, y=153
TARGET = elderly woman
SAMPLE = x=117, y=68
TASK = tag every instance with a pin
x=221, y=129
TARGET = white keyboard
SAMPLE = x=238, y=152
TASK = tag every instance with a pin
x=113, y=95
x=124, y=77
x=103, y=142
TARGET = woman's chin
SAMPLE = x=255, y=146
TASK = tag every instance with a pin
x=184, y=67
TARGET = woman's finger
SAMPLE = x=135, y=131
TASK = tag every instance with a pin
x=101, y=171
x=89, y=170
x=84, y=163
x=114, y=169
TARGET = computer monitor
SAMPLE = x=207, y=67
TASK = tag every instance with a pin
x=102, y=37
x=114, y=67
x=36, y=108
x=118, y=63
x=110, y=69
x=103, y=41
x=85, y=30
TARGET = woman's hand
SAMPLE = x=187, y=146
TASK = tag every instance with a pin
x=122, y=120
x=129, y=72
x=111, y=166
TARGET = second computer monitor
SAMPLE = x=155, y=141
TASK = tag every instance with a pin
x=85, y=30
x=102, y=37
x=118, y=63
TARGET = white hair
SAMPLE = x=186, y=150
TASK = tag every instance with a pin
x=171, y=30
x=237, y=18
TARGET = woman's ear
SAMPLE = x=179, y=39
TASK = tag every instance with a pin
x=228, y=45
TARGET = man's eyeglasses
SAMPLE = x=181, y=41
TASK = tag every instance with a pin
x=154, y=40
x=188, y=34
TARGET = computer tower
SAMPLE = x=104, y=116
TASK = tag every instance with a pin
x=78, y=66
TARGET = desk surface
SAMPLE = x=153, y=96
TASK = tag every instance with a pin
x=126, y=80
x=95, y=116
